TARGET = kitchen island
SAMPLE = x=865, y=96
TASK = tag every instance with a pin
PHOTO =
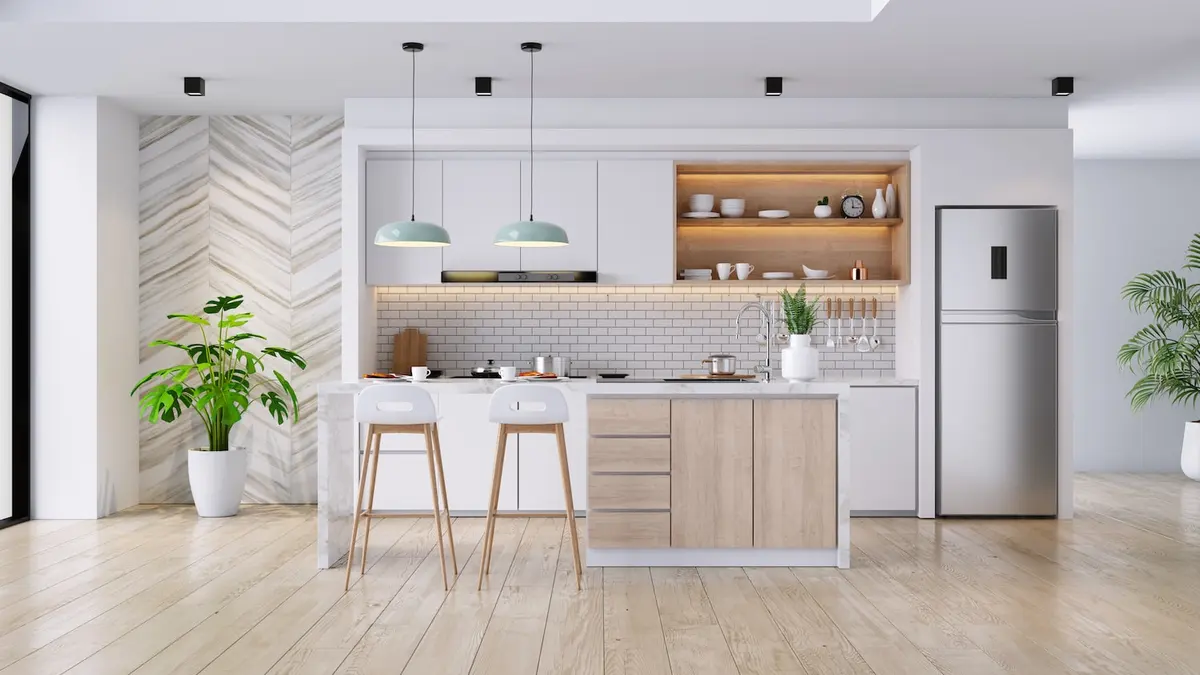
x=672, y=473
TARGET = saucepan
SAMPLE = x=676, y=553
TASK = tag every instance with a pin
x=721, y=364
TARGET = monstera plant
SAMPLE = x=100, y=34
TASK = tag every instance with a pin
x=225, y=372
x=1167, y=352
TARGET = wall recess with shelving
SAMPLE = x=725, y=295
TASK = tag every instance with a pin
x=801, y=239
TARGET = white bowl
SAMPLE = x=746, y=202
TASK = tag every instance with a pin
x=700, y=202
x=815, y=274
x=733, y=208
x=774, y=213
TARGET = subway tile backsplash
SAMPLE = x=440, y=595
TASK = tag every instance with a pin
x=646, y=331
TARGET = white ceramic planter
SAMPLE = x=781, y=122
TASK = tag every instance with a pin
x=822, y=210
x=800, y=361
x=218, y=480
x=1189, y=459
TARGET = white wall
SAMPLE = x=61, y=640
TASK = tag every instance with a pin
x=1126, y=226
x=970, y=152
x=85, y=318
x=117, y=307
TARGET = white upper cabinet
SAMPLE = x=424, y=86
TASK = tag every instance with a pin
x=389, y=199
x=564, y=193
x=636, y=207
x=478, y=197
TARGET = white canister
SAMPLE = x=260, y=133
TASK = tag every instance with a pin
x=800, y=361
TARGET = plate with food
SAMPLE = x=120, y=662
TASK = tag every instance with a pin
x=532, y=375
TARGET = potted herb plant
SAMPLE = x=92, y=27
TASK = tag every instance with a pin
x=800, y=360
x=220, y=381
x=1167, y=352
x=823, y=209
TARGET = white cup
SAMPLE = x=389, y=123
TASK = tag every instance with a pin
x=700, y=203
x=723, y=270
x=733, y=208
x=420, y=373
x=744, y=270
x=508, y=373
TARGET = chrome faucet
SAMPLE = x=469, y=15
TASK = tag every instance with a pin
x=767, y=313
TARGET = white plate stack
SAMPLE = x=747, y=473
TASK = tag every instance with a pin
x=697, y=275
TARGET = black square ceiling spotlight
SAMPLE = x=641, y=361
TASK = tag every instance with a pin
x=1062, y=86
x=774, y=86
x=193, y=86
x=483, y=86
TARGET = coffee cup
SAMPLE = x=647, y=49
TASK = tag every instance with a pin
x=733, y=208
x=700, y=203
x=723, y=270
x=420, y=373
x=508, y=373
x=744, y=270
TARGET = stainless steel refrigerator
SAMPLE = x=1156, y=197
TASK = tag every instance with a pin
x=997, y=367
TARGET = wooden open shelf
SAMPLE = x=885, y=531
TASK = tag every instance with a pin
x=788, y=222
x=786, y=244
x=717, y=283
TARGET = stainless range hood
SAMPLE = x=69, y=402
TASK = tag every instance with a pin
x=484, y=277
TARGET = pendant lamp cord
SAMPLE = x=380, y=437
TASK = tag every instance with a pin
x=413, y=139
x=531, y=136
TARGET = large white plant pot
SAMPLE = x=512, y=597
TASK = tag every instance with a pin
x=218, y=480
x=800, y=361
x=1189, y=460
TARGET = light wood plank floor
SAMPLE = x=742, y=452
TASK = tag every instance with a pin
x=157, y=590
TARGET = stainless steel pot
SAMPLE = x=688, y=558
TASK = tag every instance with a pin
x=721, y=364
x=559, y=365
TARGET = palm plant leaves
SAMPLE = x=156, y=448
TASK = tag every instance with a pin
x=221, y=379
x=1166, y=352
x=799, y=312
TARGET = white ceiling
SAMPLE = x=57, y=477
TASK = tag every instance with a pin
x=913, y=48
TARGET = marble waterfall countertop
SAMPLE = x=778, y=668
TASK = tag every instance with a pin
x=338, y=434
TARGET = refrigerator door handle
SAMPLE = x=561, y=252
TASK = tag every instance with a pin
x=998, y=316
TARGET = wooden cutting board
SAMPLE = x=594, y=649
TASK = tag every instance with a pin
x=693, y=376
x=408, y=350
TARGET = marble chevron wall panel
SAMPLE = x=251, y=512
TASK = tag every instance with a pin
x=251, y=205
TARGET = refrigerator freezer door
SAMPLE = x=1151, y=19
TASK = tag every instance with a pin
x=998, y=259
x=997, y=420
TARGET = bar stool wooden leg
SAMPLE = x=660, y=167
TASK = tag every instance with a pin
x=490, y=528
x=437, y=455
x=437, y=515
x=371, y=498
x=566, y=478
x=362, y=488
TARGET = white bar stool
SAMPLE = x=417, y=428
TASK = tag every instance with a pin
x=399, y=409
x=527, y=409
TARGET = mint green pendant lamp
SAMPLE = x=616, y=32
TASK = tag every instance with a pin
x=531, y=233
x=412, y=232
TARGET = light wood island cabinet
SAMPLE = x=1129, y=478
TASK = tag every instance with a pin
x=706, y=473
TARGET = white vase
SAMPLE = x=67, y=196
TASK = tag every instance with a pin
x=218, y=480
x=1189, y=460
x=822, y=210
x=879, y=206
x=890, y=198
x=800, y=361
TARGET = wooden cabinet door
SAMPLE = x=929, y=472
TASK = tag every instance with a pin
x=883, y=461
x=636, y=215
x=478, y=197
x=795, y=473
x=712, y=479
x=389, y=198
x=564, y=193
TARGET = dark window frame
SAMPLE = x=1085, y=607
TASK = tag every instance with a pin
x=22, y=322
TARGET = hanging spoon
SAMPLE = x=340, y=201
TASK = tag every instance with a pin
x=874, y=323
x=864, y=345
x=829, y=316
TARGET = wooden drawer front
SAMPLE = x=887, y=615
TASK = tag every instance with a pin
x=647, y=455
x=629, y=530
x=628, y=492
x=630, y=417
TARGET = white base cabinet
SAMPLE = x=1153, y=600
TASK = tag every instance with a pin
x=532, y=478
x=883, y=451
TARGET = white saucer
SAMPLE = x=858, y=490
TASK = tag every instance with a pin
x=808, y=278
x=774, y=276
x=702, y=214
x=774, y=213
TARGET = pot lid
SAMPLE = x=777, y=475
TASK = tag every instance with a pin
x=722, y=356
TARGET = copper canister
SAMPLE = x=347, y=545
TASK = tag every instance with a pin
x=859, y=271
